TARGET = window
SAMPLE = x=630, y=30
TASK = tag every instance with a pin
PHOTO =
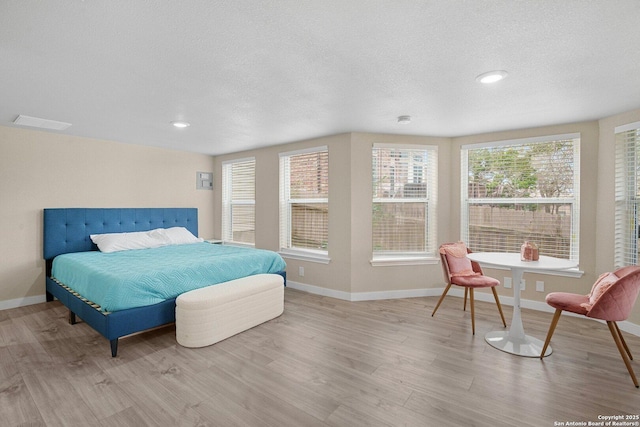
x=404, y=200
x=304, y=200
x=239, y=201
x=627, y=192
x=520, y=190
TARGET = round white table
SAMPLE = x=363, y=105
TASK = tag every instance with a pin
x=514, y=340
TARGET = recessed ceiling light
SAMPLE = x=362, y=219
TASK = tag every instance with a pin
x=180, y=124
x=491, y=76
x=404, y=120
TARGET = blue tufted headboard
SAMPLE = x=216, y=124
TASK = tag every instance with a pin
x=68, y=229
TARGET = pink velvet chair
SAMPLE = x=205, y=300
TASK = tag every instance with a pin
x=611, y=299
x=461, y=271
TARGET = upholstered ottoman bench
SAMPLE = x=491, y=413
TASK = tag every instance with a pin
x=208, y=315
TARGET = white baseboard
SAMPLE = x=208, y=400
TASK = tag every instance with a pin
x=318, y=290
x=626, y=326
x=363, y=296
x=21, y=302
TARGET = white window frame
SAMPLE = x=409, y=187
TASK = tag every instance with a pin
x=286, y=249
x=428, y=256
x=627, y=181
x=228, y=203
x=574, y=250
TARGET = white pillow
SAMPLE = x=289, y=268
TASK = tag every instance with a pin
x=114, y=242
x=178, y=236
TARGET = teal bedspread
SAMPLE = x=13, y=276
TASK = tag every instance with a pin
x=136, y=278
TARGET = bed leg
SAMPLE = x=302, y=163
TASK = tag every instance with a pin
x=49, y=296
x=114, y=347
x=72, y=318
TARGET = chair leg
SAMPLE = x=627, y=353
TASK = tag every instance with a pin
x=552, y=327
x=444, y=294
x=466, y=291
x=495, y=295
x=473, y=316
x=624, y=343
x=616, y=337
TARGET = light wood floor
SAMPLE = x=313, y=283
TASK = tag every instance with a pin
x=324, y=362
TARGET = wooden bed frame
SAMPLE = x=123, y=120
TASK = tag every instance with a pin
x=68, y=230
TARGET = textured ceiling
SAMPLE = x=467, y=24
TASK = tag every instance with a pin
x=249, y=73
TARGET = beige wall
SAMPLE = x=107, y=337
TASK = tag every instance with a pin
x=42, y=169
x=350, y=218
x=336, y=274
x=365, y=277
x=350, y=209
x=589, y=136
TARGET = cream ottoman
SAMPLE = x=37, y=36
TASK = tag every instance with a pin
x=208, y=315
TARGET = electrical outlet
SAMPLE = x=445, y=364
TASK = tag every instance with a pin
x=523, y=285
x=507, y=282
x=539, y=286
x=301, y=271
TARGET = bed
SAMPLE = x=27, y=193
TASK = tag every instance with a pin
x=68, y=231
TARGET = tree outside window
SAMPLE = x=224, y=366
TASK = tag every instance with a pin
x=522, y=190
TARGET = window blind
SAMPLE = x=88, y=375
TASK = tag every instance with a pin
x=627, y=190
x=238, y=201
x=520, y=190
x=304, y=200
x=404, y=200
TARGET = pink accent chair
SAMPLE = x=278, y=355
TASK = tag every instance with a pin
x=461, y=271
x=611, y=299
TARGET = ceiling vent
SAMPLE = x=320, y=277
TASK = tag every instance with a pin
x=36, y=122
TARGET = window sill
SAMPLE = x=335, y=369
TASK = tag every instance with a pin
x=311, y=256
x=244, y=245
x=387, y=261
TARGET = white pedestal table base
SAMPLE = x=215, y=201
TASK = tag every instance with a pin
x=526, y=346
x=514, y=341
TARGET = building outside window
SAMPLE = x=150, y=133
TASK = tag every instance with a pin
x=404, y=201
x=239, y=201
x=304, y=201
x=526, y=189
